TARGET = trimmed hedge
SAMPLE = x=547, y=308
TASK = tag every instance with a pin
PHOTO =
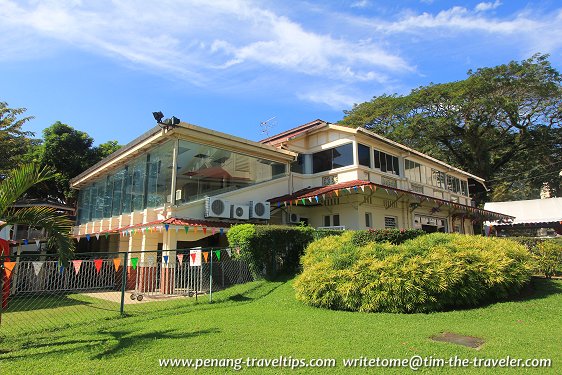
x=548, y=257
x=270, y=250
x=430, y=273
x=394, y=236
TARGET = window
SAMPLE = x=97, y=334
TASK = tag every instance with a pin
x=327, y=220
x=298, y=165
x=386, y=163
x=332, y=158
x=453, y=184
x=368, y=219
x=336, y=220
x=464, y=188
x=414, y=171
x=438, y=179
x=390, y=222
x=364, y=154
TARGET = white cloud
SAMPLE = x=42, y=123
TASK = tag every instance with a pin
x=361, y=4
x=333, y=97
x=482, y=7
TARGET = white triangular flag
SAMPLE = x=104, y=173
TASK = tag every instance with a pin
x=37, y=267
x=97, y=236
x=38, y=243
x=229, y=252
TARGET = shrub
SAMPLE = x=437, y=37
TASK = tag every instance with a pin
x=394, y=236
x=548, y=256
x=270, y=249
x=429, y=273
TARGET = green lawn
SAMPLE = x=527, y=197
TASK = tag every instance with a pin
x=262, y=319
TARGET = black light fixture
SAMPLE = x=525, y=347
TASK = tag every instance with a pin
x=166, y=124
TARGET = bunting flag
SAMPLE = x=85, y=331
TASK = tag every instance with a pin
x=316, y=197
x=195, y=229
x=303, y=202
x=106, y=235
x=134, y=262
x=229, y=252
x=116, y=263
x=167, y=226
x=186, y=229
x=222, y=231
x=38, y=244
x=204, y=230
x=97, y=236
x=98, y=263
x=337, y=193
x=206, y=256
x=61, y=269
x=133, y=232
x=238, y=250
x=278, y=204
x=195, y=258
x=310, y=199
x=363, y=188
x=180, y=258
x=165, y=257
x=9, y=266
x=88, y=236
x=348, y=190
x=76, y=264
x=218, y=254
x=37, y=267
x=285, y=204
x=25, y=242
x=177, y=228
x=213, y=229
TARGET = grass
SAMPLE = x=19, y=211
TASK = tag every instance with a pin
x=263, y=319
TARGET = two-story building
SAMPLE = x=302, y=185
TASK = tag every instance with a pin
x=185, y=186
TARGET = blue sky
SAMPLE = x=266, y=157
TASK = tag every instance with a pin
x=103, y=66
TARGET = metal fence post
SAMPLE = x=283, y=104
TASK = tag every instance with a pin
x=1, y=289
x=124, y=282
x=211, y=279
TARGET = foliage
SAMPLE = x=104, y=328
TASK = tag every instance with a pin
x=69, y=152
x=321, y=233
x=429, y=273
x=16, y=183
x=394, y=236
x=270, y=249
x=14, y=142
x=548, y=255
x=501, y=123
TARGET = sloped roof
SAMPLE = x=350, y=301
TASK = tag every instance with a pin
x=531, y=211
x=313, y=195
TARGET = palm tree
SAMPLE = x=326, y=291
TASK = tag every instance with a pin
x=13, y=186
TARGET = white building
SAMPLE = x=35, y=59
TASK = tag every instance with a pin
x=185, y=186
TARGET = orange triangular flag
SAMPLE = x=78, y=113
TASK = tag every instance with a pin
x=9, y=266
x=116, y=263
x=98, y=263
x=206, y=256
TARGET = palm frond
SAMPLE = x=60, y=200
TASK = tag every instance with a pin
x=19, y=181
x=57, y=225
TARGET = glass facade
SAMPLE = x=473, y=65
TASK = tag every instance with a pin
x=146, y=181
x=386, y=162
x=204, y=170
x=364, y=155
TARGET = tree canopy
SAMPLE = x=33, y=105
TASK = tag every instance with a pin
x=501, y=123
x=14, y=141
x=69, y=152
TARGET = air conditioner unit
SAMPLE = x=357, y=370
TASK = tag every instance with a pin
x=294, y=218
x=216, y=207
x=259, y=210
x=240, y=212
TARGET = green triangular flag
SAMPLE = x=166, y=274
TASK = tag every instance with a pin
x=186, y=229
x=218, y=254
x=106, y=235
x=134, y=262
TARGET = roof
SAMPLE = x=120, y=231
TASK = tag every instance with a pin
x=531, y=211
x=311, y=197
x=318, y=124
x=158, y=135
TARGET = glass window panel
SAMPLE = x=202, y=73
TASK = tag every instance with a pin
x=327, y=220
x=336, y=220
x=322, y=161
x=342, y=156
x=364, y=154
x=377, y=159
x=298, y=165
x=159, y=176
x=108, y=196
x=127, y=191
x=138, y=183
x=464, y=187
x=204, y=170
x=117, y=193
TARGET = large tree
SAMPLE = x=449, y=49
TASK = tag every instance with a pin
x=501, y=123
x=69, y=152
x=14, y=141
x=14, y=186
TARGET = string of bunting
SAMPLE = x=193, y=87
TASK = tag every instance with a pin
x=158, y=228
x=315, y=199
x=195, y=259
